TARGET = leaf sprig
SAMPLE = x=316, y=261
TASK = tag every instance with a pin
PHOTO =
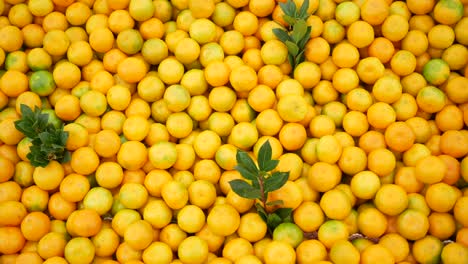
x=262, y=182
x=299, y=32
x=48, y=142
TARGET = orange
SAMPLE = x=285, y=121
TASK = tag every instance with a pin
x=375, y=11
x=292, y=136
x=317, y=50
x=125, y=253
x=132, y=69
x=236, y=248
x=391, y=199
x=172, y=236
x=436, y=71
x=133, y=195
x=175, y=194
x=343, y=251
x=35, y=225
x=332, y=231
x=459, y=27
x=355, y=123
x=345, y=55
x=441, y=225
x=403, y=63
x=421, y=22
x=8, y=171
x=453, y=93
x=324, y=92
x=431, y=99
x=406, y=107
x=223, y=219
x=84, y=222
x=454, y=252
x=416, y=42
x=279, y=252
x=132, y=155
x=11, y=79
x=12, y=191
x=420, y=7
x=376, y=254
x=101, y=40
x=246, y=23
x=365, y=184
x=352, y=160
x=157, y=251
x=11, y=38
x=454, y=143
x=412, y=83
x=370, y=69
x=68, y=107
x=382, y=49
x=14, y=213
x=441, y=197
x=458, y=210
x=387, y=89
x=84, y=160
x=333, y=32
x=448, y=12
x=74, y=187
x=360, y=34
x=449, y=118
x=79, y=249
x=371, y=222
x=395, y=27
x=12, y=241
x=29, y=257
x=347, y=13
x=105, y=242
x=399, y=136
x=139, y=234
x=345, y=79
x=193, y=250
x=430, y=169
x=335, y=204
x=380, y=115
x=316, y=174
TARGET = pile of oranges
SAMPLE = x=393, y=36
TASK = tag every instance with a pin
x=158, y=96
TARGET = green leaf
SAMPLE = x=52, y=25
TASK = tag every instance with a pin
x=289, y=19
x=284, y=214
x=273, y=221
x=274, y=203
x=264, y=155
x=47, y=141
x=276, y=181
x=66, y=157
x=271, y=165
x=244, y=159
x=247, y=174
x=243, y=189
x=303, y=10
x=299, y=58
x=291, y=60
x=289, y=8
x=292, y=48
x=299, y=31
x=24, y=128
x=303, y=42
x=261, y=211
x=281, y=34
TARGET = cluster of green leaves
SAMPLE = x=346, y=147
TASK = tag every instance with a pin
x=299, y=32
x=260, y=181
x=48, y=142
